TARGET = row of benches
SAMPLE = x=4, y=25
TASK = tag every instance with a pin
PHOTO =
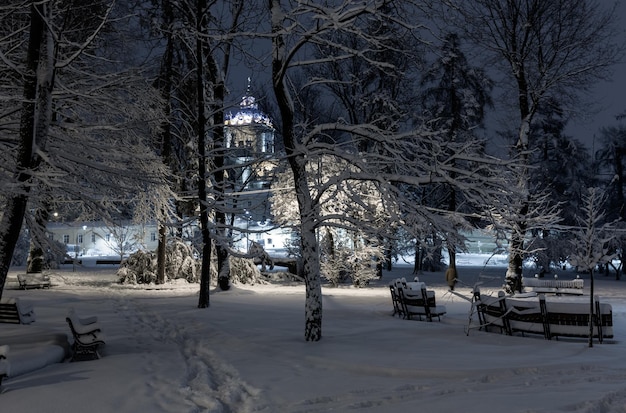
x=551, y=316
x=413, y=299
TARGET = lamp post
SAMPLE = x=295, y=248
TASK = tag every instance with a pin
x=247, y=215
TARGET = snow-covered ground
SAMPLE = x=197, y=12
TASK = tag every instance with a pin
x=246, y=353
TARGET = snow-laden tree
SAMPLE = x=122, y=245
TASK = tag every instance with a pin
x=408, y=157
x=362, y=92
x=297, y=29
x=544, y=49
x=591, y=246
x=350, y=222
x=76, y=128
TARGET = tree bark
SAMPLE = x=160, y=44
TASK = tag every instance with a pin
x=166, y=127
x=219, y=146
x=205, y=272
x=15, y=208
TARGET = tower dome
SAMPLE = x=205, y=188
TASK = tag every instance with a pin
x=248, y=113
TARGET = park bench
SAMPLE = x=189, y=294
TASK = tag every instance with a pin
x=553, y=286
x=33, y=280
x=108, y=261
x=87, y=334
x=549, y=316
x=14, y=311
x=413, y=299
x=5, y=366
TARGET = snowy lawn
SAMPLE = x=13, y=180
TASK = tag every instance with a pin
x=246, y=353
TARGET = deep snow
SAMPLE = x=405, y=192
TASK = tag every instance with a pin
x=246, y=353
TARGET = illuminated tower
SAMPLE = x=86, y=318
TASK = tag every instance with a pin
x=250, y=140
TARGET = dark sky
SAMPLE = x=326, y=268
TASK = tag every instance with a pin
x=610, y=100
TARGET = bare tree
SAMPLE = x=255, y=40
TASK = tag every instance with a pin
x=591, y=246
x=545, y=49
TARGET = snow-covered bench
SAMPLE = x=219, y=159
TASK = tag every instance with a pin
x=33, y=280
x=14, y=311
x=415, y=300
x=5, y=367
x=553, y=286
x=550, y=316
x=87, y=334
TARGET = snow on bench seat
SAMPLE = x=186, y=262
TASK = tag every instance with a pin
x=554, y=286
x=550, y=316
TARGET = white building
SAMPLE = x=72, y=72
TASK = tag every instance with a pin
x=96, y=239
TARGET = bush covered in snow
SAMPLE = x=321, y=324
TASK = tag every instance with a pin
x=244, y=271
x=180, y=263
x=346, y=266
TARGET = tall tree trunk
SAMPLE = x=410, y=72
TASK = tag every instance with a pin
x=308, y=210
x=513, y=275
x=15, y=207
x=218, y=79
x=219, y=146
x=165, y=86
x=419, y=258
x=161, y=251
x=205, y=271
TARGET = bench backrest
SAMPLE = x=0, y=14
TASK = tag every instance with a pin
x=9, y=313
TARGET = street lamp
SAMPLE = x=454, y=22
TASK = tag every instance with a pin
x=247, y=214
